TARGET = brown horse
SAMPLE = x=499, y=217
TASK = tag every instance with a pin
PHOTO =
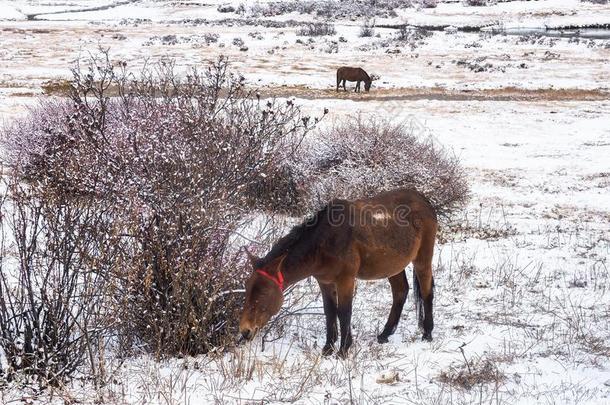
x=353, y=74
x=368, y=239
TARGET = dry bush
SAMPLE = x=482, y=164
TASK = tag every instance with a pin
x=360, y=158
x=173, y=164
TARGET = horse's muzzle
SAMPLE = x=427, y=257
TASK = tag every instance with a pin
x=247, y=334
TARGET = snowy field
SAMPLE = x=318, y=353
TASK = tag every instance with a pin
x=522, y=300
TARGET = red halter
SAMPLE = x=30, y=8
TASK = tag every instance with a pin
x=279, y=281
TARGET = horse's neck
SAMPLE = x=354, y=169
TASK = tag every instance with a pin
x=295, y=270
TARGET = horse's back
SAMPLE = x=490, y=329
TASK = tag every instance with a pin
x=387, y=231
x=351, y=73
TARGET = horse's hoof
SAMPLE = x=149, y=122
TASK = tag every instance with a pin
x=342, y=354
x=328, y=350
x=427, y=336
x=382, y=339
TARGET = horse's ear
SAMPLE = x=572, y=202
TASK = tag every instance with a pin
x=252, y=258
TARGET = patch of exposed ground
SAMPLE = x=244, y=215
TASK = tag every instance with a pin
x=439, y=93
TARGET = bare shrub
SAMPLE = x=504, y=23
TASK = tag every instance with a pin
x=317, y=29
x=368, y=28
x=177, y=163
x=361, y=158
x=52, y=317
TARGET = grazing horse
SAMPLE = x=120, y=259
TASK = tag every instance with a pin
x=369, y=239
x=353, y=74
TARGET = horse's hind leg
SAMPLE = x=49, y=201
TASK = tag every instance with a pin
x=400, y=290
x=329, y=299
x=344, y=88
x=357, y=89
x=424, y=287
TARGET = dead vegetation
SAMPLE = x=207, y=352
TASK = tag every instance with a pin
x=473, y=373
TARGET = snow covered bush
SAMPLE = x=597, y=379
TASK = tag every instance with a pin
x=479, y=3
x=317, y=29
x=413, y=36
x=174, y=165
x=331, y=8
x=429, y=3
x=225, y=8
x=360, y=158
x=368, y=28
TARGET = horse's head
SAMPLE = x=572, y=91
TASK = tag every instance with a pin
x=367, y=84
x=264, y=297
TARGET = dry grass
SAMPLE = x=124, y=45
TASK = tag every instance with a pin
x=441, y=93
x=470, y=374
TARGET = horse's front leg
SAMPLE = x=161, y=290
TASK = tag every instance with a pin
x=345, y=297
x=329, y=299
x=357, y=89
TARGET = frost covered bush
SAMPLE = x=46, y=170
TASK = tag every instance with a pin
x=173, y=165
x=364, y=157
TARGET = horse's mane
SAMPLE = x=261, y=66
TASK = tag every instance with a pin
x=300, y=233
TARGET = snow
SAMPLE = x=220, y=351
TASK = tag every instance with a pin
x=533, y=300
x=9, y=11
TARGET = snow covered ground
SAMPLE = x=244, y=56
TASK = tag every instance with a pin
x=522, y=304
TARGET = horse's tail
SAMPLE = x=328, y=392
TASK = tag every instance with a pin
x=419, y=300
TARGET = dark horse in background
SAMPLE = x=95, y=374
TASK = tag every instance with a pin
x=368, y=239
x=353, y=74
